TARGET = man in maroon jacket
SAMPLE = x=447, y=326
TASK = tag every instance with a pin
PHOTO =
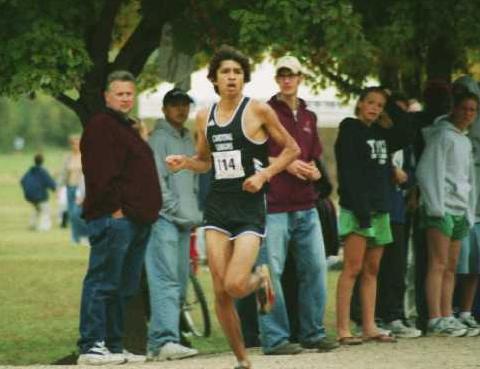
x=122, y=200
x=293, y=222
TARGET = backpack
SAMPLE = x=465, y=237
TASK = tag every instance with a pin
x=32, y=186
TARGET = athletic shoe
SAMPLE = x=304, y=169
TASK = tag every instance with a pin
x=171, y=351
x=98, y=354
x=400, y=330
x=286, y=348
x=473, y=328
x=265, y=293
x=131, y=358
x=323, y=345
x=446, y=327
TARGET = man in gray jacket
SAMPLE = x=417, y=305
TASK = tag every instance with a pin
x=167, y=256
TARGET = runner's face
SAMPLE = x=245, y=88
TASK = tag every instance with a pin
x=370, y=108
x=230, y=78
x=120, y=96
x=288, y=82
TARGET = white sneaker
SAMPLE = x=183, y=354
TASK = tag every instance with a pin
x=400, y=330
x=129, y=357
x=446, y=327
x=98, y=354
x=172, y=351
x=473, y=328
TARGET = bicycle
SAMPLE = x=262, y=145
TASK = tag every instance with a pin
x=195, y=316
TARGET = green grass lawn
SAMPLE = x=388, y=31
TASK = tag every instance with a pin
x=41, y=276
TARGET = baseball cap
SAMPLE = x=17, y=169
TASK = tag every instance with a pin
x=289, y=62
x=175, y=95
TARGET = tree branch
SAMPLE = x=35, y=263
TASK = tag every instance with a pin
x=99, y=40
x=141, y=44
x=339, y=81
x=74, y=105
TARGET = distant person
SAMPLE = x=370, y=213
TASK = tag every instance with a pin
x=70, y=177
x=293, y=224
x=468, y=268
x=437, y=101
x=35, y=184
x=167, y=257
x=236, y=130
x=448, y=198
x=122, y=200
x=362, y=150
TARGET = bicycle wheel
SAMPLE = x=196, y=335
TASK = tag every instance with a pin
x=195, y=314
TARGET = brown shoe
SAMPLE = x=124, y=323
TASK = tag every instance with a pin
x=265, y=293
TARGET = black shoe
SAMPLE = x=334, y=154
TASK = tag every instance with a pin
x=286, y=348
x=323, y=345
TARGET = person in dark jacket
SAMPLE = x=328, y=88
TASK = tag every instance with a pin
x=36, y=183
x=362, y=150
x=122, y=200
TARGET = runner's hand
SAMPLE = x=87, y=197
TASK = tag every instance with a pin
x=254, y=183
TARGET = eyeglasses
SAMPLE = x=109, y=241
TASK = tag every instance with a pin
x=287, y=76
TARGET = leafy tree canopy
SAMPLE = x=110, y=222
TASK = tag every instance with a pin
x=66, y=48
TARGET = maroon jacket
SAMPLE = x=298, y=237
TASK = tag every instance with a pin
x=119, y=168
x=287, y=192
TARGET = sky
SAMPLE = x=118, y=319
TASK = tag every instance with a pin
x=262, y=86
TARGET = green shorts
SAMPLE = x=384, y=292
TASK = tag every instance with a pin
x=379, y=233
x=456, y=227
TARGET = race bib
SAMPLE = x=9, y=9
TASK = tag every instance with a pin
x=228, y=164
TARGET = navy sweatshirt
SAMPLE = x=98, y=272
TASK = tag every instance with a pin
x=363, y=165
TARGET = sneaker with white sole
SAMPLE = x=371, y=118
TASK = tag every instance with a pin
x=446, y=327
x=130, y=357
x=171, y=351
x=98, y=354
x=400, y=330
x=473, y=328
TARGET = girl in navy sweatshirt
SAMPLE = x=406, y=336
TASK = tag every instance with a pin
x=362, y=150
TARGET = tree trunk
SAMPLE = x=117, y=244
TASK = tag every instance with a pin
x=441, y=57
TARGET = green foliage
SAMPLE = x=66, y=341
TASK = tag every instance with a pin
x=43, y=49
x=40, y=121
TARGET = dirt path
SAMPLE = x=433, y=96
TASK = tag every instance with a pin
x=423, y=353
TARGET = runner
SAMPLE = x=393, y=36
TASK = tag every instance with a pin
x=235, y=133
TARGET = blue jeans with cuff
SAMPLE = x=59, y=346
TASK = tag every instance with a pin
x=113, y=276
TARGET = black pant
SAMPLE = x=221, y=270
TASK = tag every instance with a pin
x=391, y=277
x=421, y=267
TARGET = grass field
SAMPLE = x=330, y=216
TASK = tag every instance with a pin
x=41, y=276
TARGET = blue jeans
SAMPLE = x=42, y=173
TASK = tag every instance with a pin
x=114, y=268
x=302, y=231
x=167, y=263
x=77, y=224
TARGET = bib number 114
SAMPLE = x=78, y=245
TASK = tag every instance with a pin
x=228, y=164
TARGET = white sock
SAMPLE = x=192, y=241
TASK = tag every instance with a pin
x=465, y=314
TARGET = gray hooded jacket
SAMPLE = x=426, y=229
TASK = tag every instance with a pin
x=179, y=190
x=445, y=171
x=474, y=135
